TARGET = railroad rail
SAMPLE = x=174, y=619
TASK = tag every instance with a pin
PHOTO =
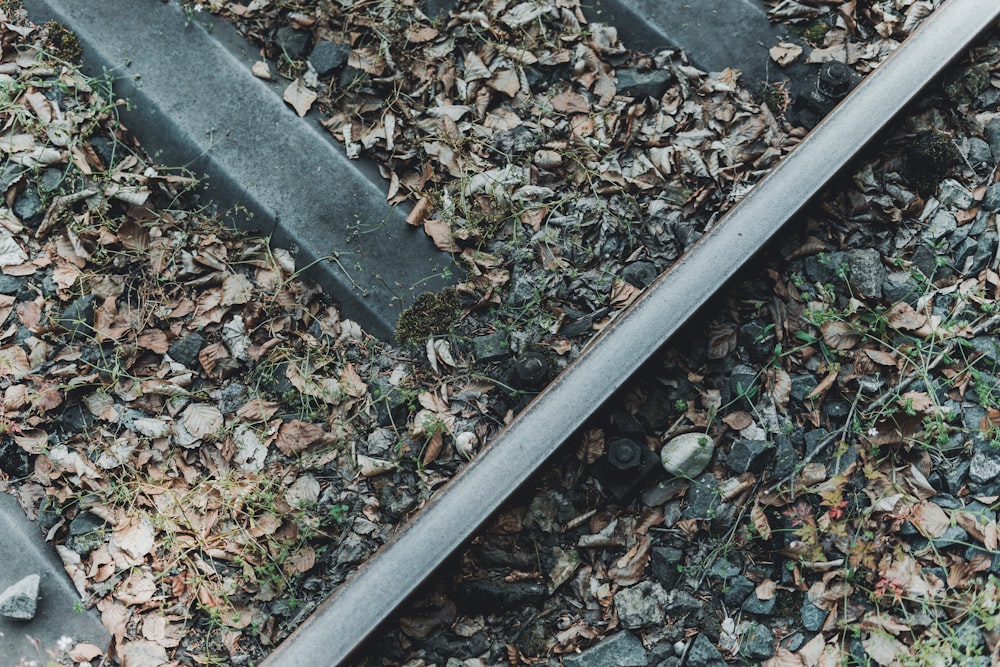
x=339, y=627
x=353, y=612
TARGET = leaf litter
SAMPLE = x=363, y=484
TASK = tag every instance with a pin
x=289, y=462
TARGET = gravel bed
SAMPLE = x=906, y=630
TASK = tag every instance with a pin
x=844, y=386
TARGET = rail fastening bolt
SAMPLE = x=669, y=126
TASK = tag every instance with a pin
x=624, y=455
x=834, y=79
x=532, y=370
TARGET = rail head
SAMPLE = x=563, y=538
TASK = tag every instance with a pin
x=342, y=623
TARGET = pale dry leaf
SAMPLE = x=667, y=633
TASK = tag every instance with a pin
x=202, y=421
x=883, y=648
x=142, y=653
x=785, y=53
x=85, y=652
x=785, y=658
x=11, y=253
x=138, y=588
x=151, y=427
x=351, y=382
x=569, y=102
x=903, y=316
x=779, y=387
x=929, y=519
x=505, y=81
x=372, y=467
x=251, y=452
x=261, y=70
x=760, y=522
x=766, y=589
x=236, y=289
x=302, y=560
x=738, y=420
x=154, y=340
x=135, y=538
x=419, y=34
x=299, y=96
x=622, y=294
x=882, y=357
x=303, y=492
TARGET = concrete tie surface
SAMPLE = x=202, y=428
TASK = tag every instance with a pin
x=23, y=552
x=195, y=102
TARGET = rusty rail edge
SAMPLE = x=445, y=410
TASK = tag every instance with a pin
x=342, y=623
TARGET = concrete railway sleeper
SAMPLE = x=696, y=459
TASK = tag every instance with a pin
x=339, y=628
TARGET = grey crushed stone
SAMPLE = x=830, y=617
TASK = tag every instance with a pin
x=20, y=599
x=641, y=605
x=622, y=649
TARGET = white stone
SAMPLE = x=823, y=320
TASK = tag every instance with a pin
x=688, y=454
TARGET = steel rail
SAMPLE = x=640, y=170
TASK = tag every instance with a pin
x=353, y=611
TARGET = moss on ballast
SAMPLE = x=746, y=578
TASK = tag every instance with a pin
x=64, y=43
x=930, y=158
x=432, y=314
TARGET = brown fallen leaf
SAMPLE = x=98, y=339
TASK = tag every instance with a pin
x=903, y=316
x=569, y=102
x=839, y=335
x=296, y=436
x=440, y=233
x=629, y=569
x=154, y=340
x=299, y=96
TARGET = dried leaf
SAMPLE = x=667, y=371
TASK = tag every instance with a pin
x=440, y=233
x=628, y=569
x=760, y=522
x=929, y=519
x=779, y=387
x=883, y=648
x=299, y=96
x=236, y=289
x=296, y=436
x=261, y=70
x=882, y=357
x=591, y=446
x=202, y=421
x=142, y=653
x=569, y=102
x=785, y=53
x=766, y=589
x=903, y=316
x=738, y=420
x=721, y=340
x=839, y=335
x=154, y=340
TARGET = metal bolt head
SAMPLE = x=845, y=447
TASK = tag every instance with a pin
x=532, y=370
x=624, y=455
x=834, y=79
